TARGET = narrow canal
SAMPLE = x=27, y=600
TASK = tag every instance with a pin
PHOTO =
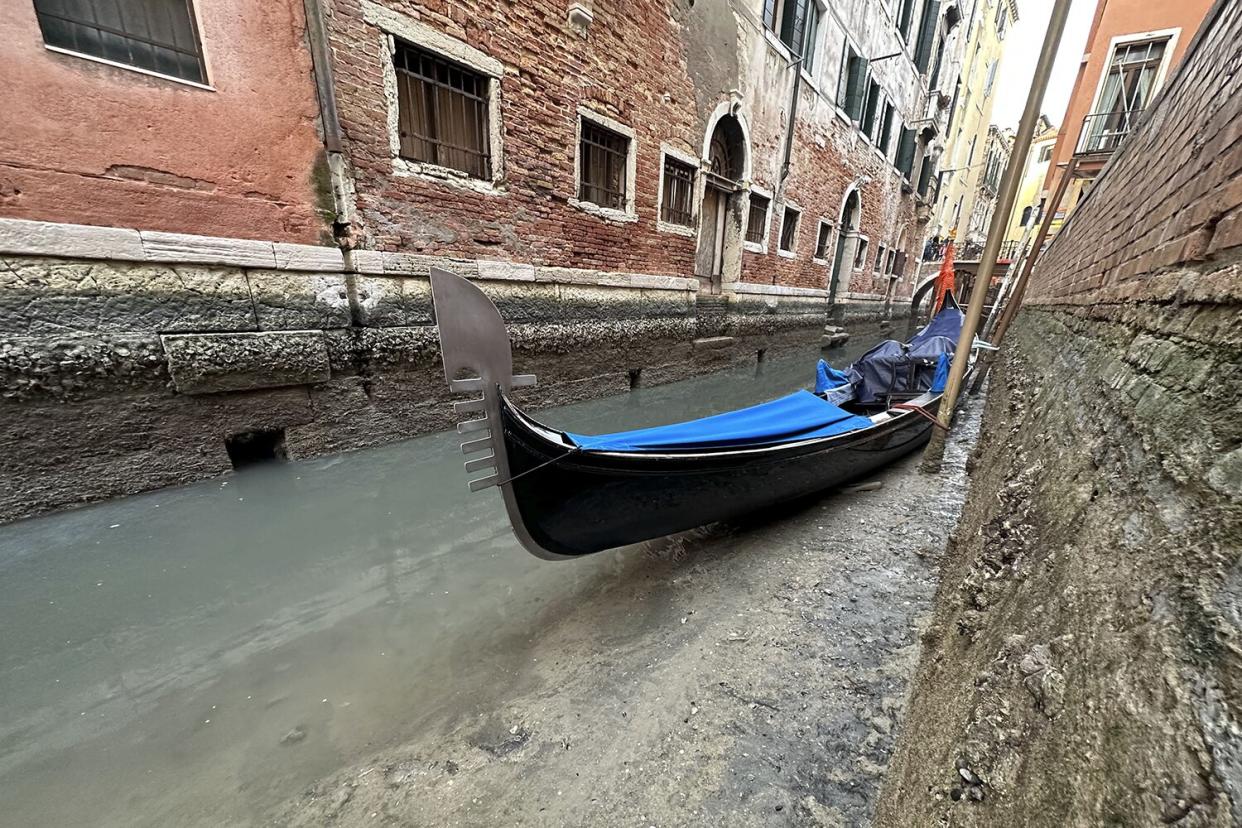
x=195, y=656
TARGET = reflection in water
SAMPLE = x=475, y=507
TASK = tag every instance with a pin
x=197, y=655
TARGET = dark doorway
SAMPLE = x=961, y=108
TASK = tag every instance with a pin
x=847, y=241
x=720, y=227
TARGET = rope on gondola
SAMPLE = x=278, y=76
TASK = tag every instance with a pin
x=923, y=412
x=519, y=475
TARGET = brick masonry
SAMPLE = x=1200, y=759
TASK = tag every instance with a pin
x=1084, y=660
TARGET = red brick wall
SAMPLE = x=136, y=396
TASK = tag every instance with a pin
x=1170, y=198
x=632, y=68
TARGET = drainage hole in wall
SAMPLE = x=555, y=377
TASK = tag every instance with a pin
x=761, y=353
x=636, y=375
x=253, y=447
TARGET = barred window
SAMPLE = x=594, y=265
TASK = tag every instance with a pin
x=602, y=158
x=757, y=219
x=821, y=241
x=442, y=112
x=156, y=35
x=789, y=229
x=678, y=192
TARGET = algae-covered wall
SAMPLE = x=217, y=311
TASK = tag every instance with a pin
x=1083, y=665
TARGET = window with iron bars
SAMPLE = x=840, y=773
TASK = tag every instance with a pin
x=678, y=192
x=443, y=112
x=757, y=219
x=155, y=35
x=603, y=155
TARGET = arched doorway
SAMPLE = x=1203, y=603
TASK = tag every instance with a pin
x=719, y=257
x=847, y=244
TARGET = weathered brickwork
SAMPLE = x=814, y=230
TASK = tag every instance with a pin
x=1084, y=662
x=660, y=69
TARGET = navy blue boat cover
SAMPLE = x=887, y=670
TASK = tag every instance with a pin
x=800, y=416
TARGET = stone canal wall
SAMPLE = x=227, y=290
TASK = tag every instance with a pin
x=128, y=359
x=1083, y=665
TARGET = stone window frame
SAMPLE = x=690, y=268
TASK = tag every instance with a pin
x=824, y=221
x=204, y=56
x=861, y=249
x=1173, y=34
x=395, y=26
x=792, y=252
x=629, y=214
x=759, y=247
x=696, y=190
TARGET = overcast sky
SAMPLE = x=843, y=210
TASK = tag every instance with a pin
x=1022, y=45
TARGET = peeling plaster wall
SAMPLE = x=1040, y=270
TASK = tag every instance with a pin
x=89, y=143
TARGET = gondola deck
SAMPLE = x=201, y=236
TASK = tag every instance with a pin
x=567, y=499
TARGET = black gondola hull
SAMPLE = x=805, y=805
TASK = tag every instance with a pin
x=574, y=503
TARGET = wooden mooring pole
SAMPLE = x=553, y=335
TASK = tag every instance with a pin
x=984, y=363
x=934, y=453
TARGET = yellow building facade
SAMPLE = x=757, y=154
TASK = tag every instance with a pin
x=964, y=159
x=1034, y=173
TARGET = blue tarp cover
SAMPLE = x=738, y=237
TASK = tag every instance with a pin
x=800, y=416
x=827, y=377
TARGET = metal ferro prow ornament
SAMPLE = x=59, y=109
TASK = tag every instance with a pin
x=475, y=345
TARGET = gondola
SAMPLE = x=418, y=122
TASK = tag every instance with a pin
x=569, y=495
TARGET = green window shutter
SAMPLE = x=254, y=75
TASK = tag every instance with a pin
x=905, y=152
x=924, y=175
x=905, y=18
x=869, y=110
x=857, y=86
x=927, y=35
x=843, y=80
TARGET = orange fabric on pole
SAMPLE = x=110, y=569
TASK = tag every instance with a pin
x=945, y=282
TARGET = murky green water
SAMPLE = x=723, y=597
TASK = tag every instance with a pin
x=196, y=655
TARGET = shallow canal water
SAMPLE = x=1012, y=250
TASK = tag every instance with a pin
x=198, y=655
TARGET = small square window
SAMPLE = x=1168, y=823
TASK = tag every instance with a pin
x=442, y=112
x=879, y=259
x=155, y=35
x=1045, y=154
x=757, y=219
x=603, y=155
x=822, y=239
x=860, y=255
x=892, y=258
x=678, y=194
x=789, y=229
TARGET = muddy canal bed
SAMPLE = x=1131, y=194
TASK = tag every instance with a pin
x=358, y=640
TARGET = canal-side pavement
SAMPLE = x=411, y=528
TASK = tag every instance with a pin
x=753, y=674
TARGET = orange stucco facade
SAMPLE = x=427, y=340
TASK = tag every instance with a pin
x=90, y=143
x=1121, y=20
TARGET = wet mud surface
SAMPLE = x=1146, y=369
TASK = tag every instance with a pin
x=747, y=674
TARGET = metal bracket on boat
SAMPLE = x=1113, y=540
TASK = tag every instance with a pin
x=473, y=341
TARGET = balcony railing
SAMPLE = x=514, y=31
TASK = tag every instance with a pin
x=1105, y=131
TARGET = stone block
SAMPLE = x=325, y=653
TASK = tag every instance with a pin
x=308, y=257
x=394, y=301
x=212, y=363
x=286, y=301
x=55, y=296
x=42, y=238
x=180, y=247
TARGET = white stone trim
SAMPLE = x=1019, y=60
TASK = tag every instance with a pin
x=138, y=69
x=695, y=193
x=420, y=34
x=393, y=25
x=20, y=237
x=777, y=290
x=861, y=297
x=82, y=241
